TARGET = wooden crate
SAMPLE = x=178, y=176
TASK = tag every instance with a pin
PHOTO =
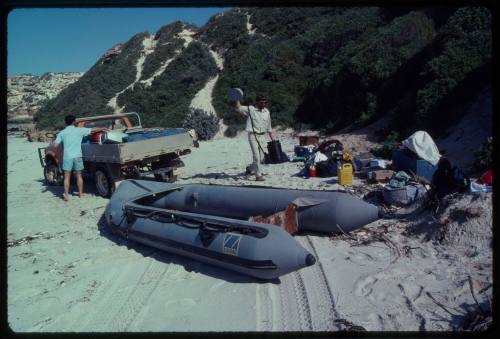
x=305, y=140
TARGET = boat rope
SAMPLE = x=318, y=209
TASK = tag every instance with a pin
x=204, y=225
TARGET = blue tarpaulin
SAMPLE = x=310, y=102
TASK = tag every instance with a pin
x=143, y=135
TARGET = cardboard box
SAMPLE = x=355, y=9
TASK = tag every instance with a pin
x=305, y=140
x=380, y=175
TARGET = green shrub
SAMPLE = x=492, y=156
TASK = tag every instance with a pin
x=390, y=144
x=484, y=157
x=205, y=124
x=232, y=130
x=465, y=45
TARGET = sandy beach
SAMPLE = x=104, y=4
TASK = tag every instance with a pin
x=67, y=273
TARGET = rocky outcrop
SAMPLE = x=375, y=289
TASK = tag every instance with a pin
x=111, y=53
x=27, y=93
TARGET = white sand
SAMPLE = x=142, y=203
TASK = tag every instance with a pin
x=147, y=82
x=219, y=60
x=187, y=36
x=73, y=275
x=203, y=99
x=148, y=47
x=249, y=26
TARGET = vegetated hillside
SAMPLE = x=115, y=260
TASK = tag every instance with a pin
x=320, y=67
x=166, y=101
x=89, y=95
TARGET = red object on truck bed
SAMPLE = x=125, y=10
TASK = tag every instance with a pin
x=95, y=137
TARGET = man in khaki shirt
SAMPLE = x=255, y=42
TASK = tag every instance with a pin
x=257, y=125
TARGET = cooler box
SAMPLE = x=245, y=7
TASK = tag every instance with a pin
x=405, y=160
x=303, y=151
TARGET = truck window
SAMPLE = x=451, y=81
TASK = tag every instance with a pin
x=118, y=124
x=99, y=123
x=134, y=121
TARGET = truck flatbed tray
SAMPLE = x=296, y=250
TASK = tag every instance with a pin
x=136, y=150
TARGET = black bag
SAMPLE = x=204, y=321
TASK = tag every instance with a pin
x=327, y=168
x=448, y=179
x=275, y=154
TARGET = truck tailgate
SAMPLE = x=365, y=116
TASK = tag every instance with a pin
x=136, y=150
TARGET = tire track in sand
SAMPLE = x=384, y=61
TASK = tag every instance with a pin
x=127, y=296
x=319, y=294
x=293, y=305
x=139, y=296
x=264, y=308
x=305, y=299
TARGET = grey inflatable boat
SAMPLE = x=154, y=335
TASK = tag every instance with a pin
x=209, y=222
x=246, y=247
x=318, y=211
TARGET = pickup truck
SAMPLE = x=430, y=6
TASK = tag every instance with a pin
x=150, y=151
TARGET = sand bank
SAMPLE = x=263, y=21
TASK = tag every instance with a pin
x=66, y=272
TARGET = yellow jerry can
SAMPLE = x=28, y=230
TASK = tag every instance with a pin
x=345, y=174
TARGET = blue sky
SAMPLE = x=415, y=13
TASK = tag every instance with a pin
x=43, y=40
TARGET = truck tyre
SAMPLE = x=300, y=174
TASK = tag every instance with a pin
x=104, y=183
x=52, y=174
x=166, y=177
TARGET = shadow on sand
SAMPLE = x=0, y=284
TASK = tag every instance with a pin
x=57, y=191
x=218, y=175
x=169, y=258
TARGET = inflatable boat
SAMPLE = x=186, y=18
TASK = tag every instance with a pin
x=210, y=223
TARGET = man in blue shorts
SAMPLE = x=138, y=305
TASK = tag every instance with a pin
x=71, y=137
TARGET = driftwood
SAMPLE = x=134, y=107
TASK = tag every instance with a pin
x=40, y=136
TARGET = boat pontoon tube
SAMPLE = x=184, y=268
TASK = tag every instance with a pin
x=259, y=250
x=318, y=211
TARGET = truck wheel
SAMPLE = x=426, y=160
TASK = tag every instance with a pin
x=52, y=175
x=104, y=183
x=166, y=177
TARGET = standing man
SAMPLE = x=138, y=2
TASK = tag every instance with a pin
x=258, y=124
x=71, y=138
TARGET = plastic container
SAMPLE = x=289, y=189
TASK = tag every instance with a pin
x=405, y=160
x=95, y=137
x=312, y=171
x=345, y=174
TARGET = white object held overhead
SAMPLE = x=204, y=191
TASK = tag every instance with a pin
x=422, y=144
x=235, y=94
